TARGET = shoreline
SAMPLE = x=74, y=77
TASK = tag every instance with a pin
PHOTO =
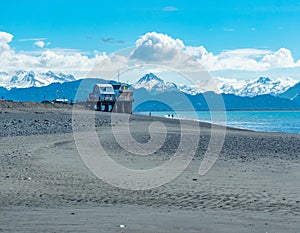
x=6, y=106
x=238, y=127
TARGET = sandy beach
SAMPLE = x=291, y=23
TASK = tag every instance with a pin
x=46, y=187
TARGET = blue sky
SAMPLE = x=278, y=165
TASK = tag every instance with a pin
x=218, y=25
x=107, y=26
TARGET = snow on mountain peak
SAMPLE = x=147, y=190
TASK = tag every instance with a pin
x=60, y=77
x=149, y=77
x=25, y=79
x=264, y=80
x=261, y=86
x=152, y=83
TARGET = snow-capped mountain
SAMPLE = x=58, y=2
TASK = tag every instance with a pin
x=189, y=89
x=152, y=83
x=261, y=86
x=25, y=79
x=228, y=85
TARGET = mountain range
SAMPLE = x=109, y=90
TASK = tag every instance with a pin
x=154, y=84
x=261, y=86
x=152, y=93
x=25, y=79
x=269, y=94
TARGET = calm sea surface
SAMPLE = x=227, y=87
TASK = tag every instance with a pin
x=265, y=121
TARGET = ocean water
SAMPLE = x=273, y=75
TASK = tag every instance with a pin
x=264, y=121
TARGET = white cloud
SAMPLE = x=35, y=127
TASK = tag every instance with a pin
x=244, y=59
x=159, y=40
x=5, y=38
x=155, y=48
x=40, y=44
x=239, y=59
x=281, y=58
x=68, y=60
x=247, y=52
x=162, y=50
x=197, y=52
x=32, y=39
x=160, y=47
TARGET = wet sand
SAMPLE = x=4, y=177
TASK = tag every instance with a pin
x=46, y=187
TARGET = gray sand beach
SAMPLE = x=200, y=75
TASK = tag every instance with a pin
x=46, y=187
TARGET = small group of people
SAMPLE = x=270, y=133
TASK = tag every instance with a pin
x=169, y=115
